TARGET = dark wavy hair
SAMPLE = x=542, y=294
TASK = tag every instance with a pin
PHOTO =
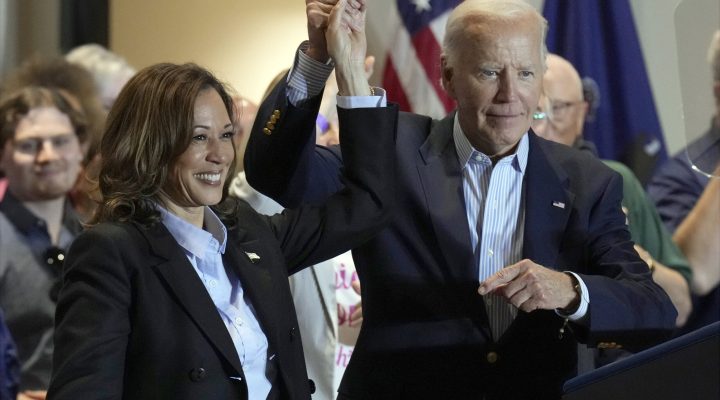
x=148, y=128
x=16, y=105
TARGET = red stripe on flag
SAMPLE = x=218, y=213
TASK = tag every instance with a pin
x=393, y=86
x=428, y=52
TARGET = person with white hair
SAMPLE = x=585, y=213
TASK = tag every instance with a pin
x=508, y=249
x=686, y=191
x=110, y=70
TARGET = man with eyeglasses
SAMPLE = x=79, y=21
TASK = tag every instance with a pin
x=41, y=141
x=561, y=117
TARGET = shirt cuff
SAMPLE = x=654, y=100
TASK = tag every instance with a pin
x=584, y=301
x=307, y=76
x=378, y=99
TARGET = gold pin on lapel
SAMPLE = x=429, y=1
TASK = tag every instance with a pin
x=254, y=258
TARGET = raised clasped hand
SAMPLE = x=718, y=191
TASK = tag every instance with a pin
x=318, y=14
x=347, y=45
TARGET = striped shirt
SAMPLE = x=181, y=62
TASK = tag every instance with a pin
x=496, y=217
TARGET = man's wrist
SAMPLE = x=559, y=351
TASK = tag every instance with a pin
x=574, y=304
x=352, y=80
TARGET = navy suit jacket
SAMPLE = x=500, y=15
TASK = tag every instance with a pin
x=425, y=333
x=134, y=320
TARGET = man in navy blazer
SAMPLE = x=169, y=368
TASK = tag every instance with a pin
x=506, y=249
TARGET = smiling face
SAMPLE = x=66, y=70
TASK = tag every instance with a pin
x=197, y=177
x=43, y=160
x=495, y=75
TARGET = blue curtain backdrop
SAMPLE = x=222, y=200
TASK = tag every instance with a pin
x=599, y=38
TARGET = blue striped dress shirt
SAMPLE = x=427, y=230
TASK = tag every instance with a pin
x=495, y=214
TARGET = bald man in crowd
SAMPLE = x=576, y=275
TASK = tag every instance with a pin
x=508, y=249
x=561, y=118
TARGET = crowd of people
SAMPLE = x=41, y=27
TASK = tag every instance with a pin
x=163, y=237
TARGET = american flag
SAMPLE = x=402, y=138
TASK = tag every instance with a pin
x=412, y=68
x=599, y=38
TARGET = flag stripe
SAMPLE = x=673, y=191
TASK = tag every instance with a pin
x=397, y=94
x=413, y=71
x=429, y=50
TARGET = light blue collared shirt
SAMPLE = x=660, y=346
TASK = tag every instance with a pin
x=204, y=250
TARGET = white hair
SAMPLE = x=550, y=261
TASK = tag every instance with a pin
x=498, y=10
x=105, y=66
x=714, y=55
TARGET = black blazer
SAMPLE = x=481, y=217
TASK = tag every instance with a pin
x=134, y=321
x=425, y=334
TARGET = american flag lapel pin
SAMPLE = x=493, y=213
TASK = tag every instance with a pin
x=254, y=258
x=559, y=204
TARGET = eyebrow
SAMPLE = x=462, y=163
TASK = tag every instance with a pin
x=207, y=127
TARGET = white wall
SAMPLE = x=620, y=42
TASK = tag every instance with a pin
x=245, y=43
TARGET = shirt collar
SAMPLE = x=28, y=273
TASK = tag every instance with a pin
x=194, y=240
x=25, y=221
x=465, y=150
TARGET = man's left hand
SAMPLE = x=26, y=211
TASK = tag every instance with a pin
x=530, y=286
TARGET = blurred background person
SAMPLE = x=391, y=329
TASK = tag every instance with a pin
x=245, y=111
x=686, y=191
x=42, y=135
x=561, y=117
x=78, y=81
x=9, y=368
x=110, y=73
x=109, y=70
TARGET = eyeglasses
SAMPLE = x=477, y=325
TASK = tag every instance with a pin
x=556, y=111
x=561, y=108
x=32, y=146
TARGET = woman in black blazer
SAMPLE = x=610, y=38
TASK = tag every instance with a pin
x=166, y=297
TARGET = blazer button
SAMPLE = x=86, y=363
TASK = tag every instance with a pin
x=312, y=386
x=491, y=357
x=292, y=333
x=197, y=374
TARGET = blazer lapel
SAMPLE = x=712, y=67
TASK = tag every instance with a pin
x=247, y=261
x=442, y=182
x=184, y=282
x=547, y=205
x=441, y=179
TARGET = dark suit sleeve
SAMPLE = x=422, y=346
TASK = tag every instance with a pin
x=350, y=217
x=632, y=310
x=91, y=321
x=281, y=158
